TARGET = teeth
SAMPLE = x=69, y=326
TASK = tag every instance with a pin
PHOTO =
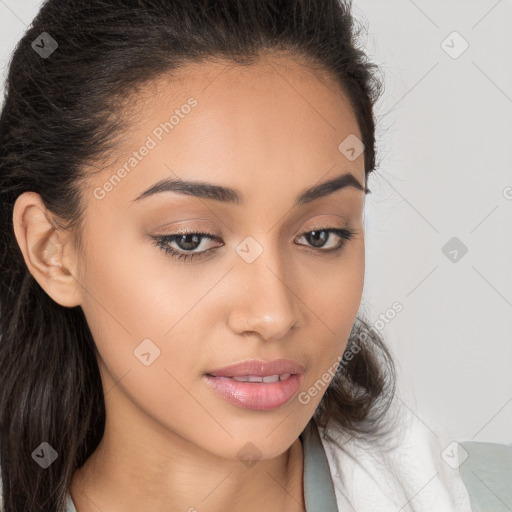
x=245, y=378
x=255, y=378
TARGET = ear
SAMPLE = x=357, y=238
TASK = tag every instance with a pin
x=47, y=250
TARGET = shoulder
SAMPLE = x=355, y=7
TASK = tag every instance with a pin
x=408, y=470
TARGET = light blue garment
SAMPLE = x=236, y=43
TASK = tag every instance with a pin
x=318, y=487
x=487, y=475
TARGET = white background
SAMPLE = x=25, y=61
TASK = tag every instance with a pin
x=445, y=153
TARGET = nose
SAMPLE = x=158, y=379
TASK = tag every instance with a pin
x=264, y=301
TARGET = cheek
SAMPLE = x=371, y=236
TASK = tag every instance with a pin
x=333, y=289
x=333, y=297
x=140, y=313
x=130, y=286
x=131, y=308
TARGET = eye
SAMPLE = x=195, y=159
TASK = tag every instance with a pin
x=318, y=238
x=188, y=241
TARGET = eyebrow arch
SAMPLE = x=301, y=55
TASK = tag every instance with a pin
x=230, y=195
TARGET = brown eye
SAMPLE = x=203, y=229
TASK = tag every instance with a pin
x=319, y=237
x=186, y=242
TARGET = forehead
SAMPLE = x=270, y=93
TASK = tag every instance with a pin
x=275, y=121
x=279, y=82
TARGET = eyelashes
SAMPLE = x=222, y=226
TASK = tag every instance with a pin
x=194, y=238
x=188, y=237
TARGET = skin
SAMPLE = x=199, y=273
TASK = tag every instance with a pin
x=270, y=130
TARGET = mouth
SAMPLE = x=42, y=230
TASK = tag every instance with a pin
x=257, y=385
x=256, y=392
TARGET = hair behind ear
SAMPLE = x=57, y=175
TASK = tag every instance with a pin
x=50, y=393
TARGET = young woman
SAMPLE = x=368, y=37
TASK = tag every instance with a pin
x=182, y=195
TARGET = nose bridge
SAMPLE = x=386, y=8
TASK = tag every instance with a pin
x=266, y=303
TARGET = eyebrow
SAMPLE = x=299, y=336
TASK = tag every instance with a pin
x=230, y=195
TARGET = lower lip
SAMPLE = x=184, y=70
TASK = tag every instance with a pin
x=259, y=396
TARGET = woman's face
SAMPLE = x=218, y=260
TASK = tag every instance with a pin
x=259, y=288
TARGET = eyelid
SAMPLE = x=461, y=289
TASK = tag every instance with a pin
x=197, y=230
x=197, y=227
x=345, y=234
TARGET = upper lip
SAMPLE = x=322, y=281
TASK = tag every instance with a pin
x=258, y=367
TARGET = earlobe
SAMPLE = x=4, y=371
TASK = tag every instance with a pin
x=45, y=250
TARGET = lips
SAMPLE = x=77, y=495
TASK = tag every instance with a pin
x=258, y=369
x=256, y=384
x=258, y=396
